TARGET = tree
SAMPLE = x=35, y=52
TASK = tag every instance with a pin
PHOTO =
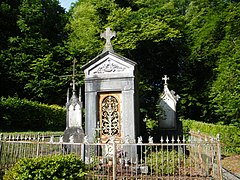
x=224, y=94
x=210, y=70
x=34, y=58
x=203, y=32
x=148, y=32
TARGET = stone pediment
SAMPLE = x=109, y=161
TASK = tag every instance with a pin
x=109, y=64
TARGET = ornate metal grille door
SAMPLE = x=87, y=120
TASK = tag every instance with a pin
x=109, y=114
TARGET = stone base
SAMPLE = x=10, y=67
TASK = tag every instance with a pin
x=76, y=132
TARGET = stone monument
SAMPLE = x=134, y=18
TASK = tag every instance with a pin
x=111, y=96
x=168, y=102
x=74, y=131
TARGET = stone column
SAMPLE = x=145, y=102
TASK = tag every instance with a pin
x=91, y=115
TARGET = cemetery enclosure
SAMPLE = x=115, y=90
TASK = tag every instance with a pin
x=172, y=158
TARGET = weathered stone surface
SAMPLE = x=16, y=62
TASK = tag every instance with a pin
x=74, y=112
x=76, y=133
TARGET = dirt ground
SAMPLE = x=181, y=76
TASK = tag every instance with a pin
x=232, y=164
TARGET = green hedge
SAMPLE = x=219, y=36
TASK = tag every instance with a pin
x=229, y=135
x=49, y=167
x=23, y=115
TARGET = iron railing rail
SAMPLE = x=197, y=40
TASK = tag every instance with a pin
x=195, y=158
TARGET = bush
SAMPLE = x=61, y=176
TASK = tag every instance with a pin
x=49, y=167
x=23, y=115
x=229, y=135
x=164, y=161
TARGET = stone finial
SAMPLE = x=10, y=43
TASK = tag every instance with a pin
x=140, y=140
x=150, y=140
x=71, y=139
x=108, y=35
x=127, y=139
x=85, y=139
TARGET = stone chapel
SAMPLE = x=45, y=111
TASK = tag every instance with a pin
x=111, y=96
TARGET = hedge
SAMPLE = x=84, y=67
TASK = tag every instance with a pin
x=48, y=167
x=229, y=135
x=23, y=115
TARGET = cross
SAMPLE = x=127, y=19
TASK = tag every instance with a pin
x=108, y=35
x=165, y=78
x=73, y=75
x=73, y=84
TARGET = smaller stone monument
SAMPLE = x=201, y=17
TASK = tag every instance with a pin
x=168, y=102
x=74, y=132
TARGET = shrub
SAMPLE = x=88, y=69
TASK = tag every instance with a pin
x=229, y=135
x=23, y=115
x=164, y=161
x=49, y=167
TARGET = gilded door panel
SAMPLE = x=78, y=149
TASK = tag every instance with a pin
x=109, y=116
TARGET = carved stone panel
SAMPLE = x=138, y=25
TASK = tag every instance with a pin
x=109, y=66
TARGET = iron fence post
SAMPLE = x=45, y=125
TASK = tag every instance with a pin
x=114, y=161
x=219, y=157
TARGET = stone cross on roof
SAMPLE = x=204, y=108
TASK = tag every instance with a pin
x=165, y=78
x=108, y=35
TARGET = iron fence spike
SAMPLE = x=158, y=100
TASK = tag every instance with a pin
x=167, y=140
x=51, y=139
x=178, y=139
x=184, y=140
x=61, y=139
x=161, y=139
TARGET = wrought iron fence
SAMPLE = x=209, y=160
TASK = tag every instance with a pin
x=172, y=158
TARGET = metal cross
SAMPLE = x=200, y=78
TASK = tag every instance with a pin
x=73, y=75
x=165, y=78
x=108, y=35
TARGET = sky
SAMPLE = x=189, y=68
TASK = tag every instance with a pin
x=66, y=3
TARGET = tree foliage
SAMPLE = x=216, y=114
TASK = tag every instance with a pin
x=211, y=69
x=33, y=56
x=194, y=42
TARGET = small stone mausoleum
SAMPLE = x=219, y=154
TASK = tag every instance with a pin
x=168, y=117
x=111, y=99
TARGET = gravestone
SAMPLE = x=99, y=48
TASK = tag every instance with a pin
x=111, y=97
x=74, y=132
x=168, y=102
